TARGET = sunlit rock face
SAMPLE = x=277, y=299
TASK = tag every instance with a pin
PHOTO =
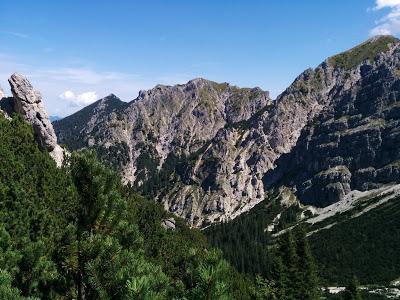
x=208, y=151
x=353, y=143
x=28, y=102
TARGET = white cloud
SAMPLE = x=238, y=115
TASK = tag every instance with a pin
x=79, y=100
x=87, y=98
x=68, y=95
x=386, y=3
x=390, y=23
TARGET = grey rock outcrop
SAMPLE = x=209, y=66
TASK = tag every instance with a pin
x=168, y=224
x=28, y=102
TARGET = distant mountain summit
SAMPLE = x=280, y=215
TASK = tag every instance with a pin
x=209, y=151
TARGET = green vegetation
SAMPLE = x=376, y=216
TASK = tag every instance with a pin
x=366, y=51
x=244, y=239
x=76, y=233
x=147, y=181
x=352, y=291
x=365, y=246
x=150, y=181
x=37, y=201
x=293, y=274
x=115, y=156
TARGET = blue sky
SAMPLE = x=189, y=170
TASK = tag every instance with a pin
x=75, y=52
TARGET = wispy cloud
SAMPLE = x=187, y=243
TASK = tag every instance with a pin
x=66, y=89
x=390, y=23
x=83, y=75
x=15, y=34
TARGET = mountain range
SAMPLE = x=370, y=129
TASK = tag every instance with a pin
x=320, y=161
x=210, y=151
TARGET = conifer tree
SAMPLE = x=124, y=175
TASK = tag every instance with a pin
x=265, y=289
x=293, y=269
x=7, y=291
x=291, y=261
x=352, y=291
x=110, y=254
x=279, y=275
x=308, y=285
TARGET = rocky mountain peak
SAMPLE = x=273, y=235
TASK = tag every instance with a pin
x=111, y=97
x=385, y=38
x=198, y=82
x=163, y=125
x=203, y=148
x=367, y=50
x=109, y=100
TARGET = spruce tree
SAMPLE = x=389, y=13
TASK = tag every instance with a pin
x=308, y=285
x=291, y=260
x=293, y=269
x=279, y=275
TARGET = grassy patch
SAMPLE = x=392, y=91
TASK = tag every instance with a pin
x=366, y=51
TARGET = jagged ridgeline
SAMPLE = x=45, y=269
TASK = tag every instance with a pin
x=209, y=151
x=171, y=143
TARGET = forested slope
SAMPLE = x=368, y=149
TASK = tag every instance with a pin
x=76, y=233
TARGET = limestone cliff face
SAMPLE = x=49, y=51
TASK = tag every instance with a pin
x=353, y=143
x=203, y=148
x=158, y=139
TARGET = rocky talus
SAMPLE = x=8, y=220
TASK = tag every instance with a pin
x=208, y=151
